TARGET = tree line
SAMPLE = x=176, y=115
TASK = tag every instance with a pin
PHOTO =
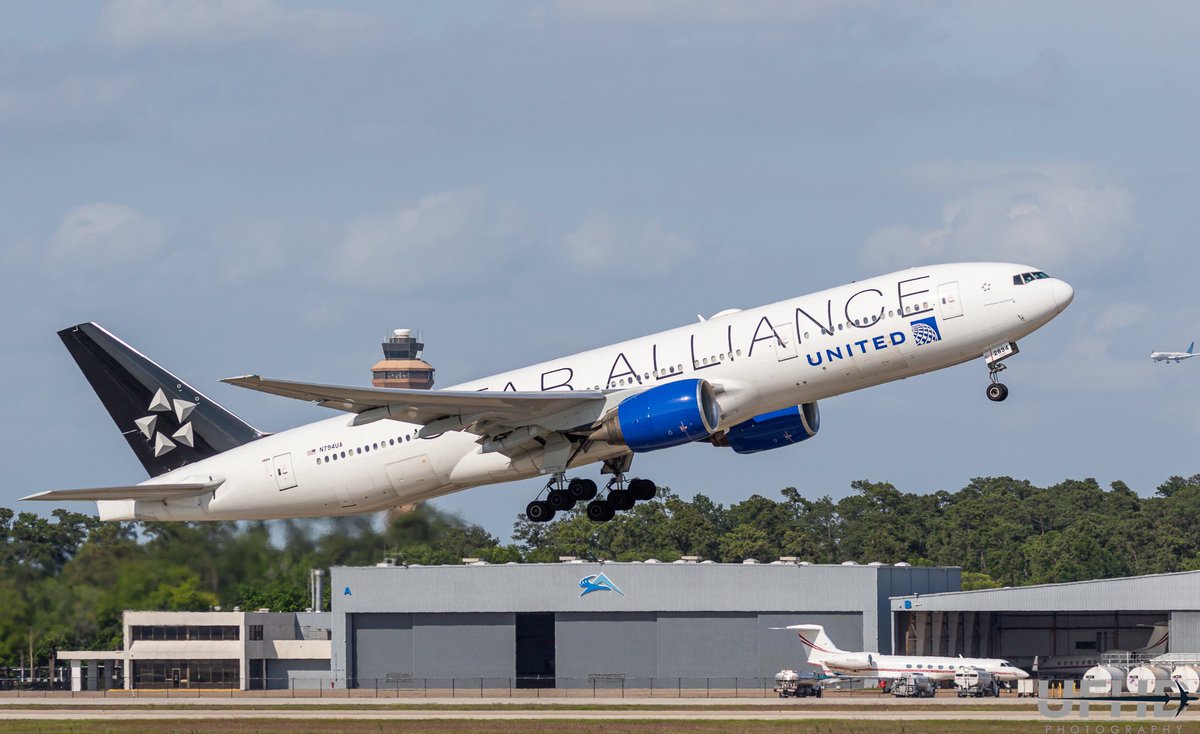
x=66, y=579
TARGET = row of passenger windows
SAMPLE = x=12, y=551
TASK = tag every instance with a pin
x=365, y=449
x=1024, y=278
x=667, y=371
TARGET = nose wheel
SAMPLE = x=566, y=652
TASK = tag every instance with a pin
x=997, y=391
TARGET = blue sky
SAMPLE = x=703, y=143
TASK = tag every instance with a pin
x=271, y=187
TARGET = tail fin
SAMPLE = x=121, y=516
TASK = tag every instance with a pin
x=1157, y=644
x=167, y=422
x=1191, y=347
x=817, y=645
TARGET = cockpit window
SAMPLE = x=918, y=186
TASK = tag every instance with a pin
x=1024, y=278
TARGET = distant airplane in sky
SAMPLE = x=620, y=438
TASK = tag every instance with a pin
x=1176, y=357
x=821, y=652
x=745, y=380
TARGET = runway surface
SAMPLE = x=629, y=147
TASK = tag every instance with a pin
x=268, y=708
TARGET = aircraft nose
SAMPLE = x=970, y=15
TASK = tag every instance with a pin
x=1063, y=294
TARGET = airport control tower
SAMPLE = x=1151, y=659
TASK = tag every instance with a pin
x=402, y=365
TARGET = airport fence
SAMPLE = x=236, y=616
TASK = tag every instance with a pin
x=401, y=687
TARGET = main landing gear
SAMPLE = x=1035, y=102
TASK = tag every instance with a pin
x=618, y=496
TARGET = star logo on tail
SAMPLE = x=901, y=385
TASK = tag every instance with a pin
x=161, y=406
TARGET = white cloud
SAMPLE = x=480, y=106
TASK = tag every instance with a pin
x=637, y=248
x=1043, y=214
x=443, y=239
x=104, y=234
x=200, y=24
x=1121, y=315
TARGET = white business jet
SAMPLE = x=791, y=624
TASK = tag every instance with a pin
x=821, y=651
x=1175, y=357
x=743, y=380
x=1074, y=666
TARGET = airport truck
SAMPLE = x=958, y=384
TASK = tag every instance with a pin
x=975, y=682
x=797, y=685
x=914, y=685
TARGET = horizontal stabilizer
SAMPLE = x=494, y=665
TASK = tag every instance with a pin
x=133, y=492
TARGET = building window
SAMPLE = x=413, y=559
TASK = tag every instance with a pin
x=186, y=674
x=182, y=633
x=256, y=631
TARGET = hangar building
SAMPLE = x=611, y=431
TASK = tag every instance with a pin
x=1080, y=618
x=561, y=624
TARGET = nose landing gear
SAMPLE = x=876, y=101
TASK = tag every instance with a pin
x=998, y=391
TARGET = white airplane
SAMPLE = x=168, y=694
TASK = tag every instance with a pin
x=821, y=652
x=1074, y=666
x=1175, y=357
x=747, y=380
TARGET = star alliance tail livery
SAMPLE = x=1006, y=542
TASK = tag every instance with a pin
x=746, y=380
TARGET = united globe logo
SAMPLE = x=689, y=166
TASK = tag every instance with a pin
x=925, y=331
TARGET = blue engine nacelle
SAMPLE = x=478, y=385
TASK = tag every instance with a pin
x=668, y=415
x=773, y=430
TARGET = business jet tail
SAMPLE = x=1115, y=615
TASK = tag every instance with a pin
x=167, y=422
x=1159, y=637
x=817, y=645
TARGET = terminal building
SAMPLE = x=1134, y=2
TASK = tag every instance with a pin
x=209, y=650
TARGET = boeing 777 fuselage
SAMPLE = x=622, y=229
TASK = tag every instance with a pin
x=747, y=379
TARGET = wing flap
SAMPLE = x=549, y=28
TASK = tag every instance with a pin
x=133, y=492
x=426, y=406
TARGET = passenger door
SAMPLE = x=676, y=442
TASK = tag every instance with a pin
x=785, y=340
x=949, y=300
x=284, y=477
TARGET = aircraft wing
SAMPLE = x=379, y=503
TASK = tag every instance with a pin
x=444, y=410
x=134, y=492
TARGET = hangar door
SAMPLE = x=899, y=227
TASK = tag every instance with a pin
x=383, y=650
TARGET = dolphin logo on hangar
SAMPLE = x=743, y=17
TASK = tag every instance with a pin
x=597, y=582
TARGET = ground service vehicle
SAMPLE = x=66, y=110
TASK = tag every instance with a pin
x=975, y=682
x=797, y=685
x=912, y=685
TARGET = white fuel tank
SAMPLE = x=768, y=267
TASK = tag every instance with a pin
x=1187, y=677
x=1107, y=679
x=1148, y=679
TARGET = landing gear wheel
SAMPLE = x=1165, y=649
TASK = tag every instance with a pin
x=621, y=499
x=600, y=511
x=997, y=392
x=560, y=500
x=642, y=489
x=539, y=511
x=581, y=490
